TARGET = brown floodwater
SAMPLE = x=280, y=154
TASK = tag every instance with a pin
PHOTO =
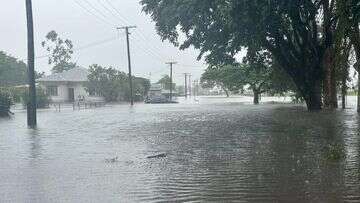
x=218, y=150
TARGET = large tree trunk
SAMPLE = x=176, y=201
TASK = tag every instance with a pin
x=343, y=91
x=358, y=91
x=256, y=96
x=312, y=94
x=313, y=102
x=355, y=40
x=329, y=83
x=226, y=92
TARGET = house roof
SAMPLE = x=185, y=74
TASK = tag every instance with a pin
x=155, y=87
x=77, y=74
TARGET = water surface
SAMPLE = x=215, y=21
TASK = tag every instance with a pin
x=218, y=150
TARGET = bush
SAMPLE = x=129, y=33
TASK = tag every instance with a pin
x=42, y=100
x=5, y=103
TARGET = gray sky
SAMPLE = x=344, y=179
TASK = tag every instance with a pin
x=87, y=22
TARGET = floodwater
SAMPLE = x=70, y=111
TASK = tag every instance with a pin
x=218, y=150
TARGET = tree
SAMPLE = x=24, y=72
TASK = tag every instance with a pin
x=113, y=85
x=215, y=76
x=106, y=82
x=236, y=77
x=299, y=34
x=42, y=100
x=13, y=71
x=165, y=82
x=60, y=52
x=348, y=38
x=5, y=103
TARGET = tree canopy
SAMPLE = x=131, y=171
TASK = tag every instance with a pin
x=5, y=103
x=12, y=71
x=60, y=52
x=165, y=82
x=113, y=84
x=237, y=77
x=299, y=34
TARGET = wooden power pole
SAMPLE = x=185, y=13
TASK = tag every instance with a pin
x=31, y=105
x=186, y=88
x=171, y=78
x=126, y=28
x=190, y=87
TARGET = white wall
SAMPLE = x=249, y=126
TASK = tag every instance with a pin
x=63, y=92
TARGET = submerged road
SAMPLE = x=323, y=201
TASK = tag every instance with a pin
x=216, y=150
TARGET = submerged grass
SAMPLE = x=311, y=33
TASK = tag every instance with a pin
x=334, y=152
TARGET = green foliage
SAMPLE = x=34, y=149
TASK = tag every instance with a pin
x=42, y=100
x=60, y=52
x=165, y=82
x=113, y=85
x=12, y=71
x=5, y=103
x=259, y=73
x=289, y=30
x=226, y=77
x=16, y=93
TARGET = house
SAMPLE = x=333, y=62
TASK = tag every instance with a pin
x=68, y=86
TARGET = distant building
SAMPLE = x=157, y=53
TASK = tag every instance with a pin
x=155, y=90
x=157, y=94
x=68, y=86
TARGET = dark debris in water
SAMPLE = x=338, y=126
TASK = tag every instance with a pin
x=112, y=160
x=162, y=155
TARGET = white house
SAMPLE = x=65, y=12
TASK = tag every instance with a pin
x=68, y=86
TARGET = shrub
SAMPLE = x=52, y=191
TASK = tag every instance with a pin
x=42, y=100
x=5, y=103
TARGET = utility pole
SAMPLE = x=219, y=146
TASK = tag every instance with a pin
x=31, y=105
x=126, y=28
x=171, y=77
x=190, y=90
x=186, y=88
x=196, y=88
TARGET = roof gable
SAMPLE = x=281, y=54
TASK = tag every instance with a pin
x=77, y=74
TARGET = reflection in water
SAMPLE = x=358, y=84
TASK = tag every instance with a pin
x=35, y=145
x=215, y=152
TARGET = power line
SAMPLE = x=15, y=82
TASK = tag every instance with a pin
x=111, y=12
x=93, y=14
x=113, y=7
x=190, y=66
x=120, y=18
x=139, y=33
x=95, y=9
x=148, y=52
x=85, y=46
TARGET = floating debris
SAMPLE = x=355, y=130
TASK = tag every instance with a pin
x=163, y=155
x=112, y=160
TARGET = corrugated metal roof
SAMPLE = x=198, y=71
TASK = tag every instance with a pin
x=77, y=74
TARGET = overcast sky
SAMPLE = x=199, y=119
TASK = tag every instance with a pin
x=88, y=23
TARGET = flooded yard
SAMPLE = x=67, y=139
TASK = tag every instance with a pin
x=215, y=151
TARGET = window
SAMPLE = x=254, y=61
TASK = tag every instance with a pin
x=52, y=90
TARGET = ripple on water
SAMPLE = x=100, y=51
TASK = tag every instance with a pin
x=215, y=153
